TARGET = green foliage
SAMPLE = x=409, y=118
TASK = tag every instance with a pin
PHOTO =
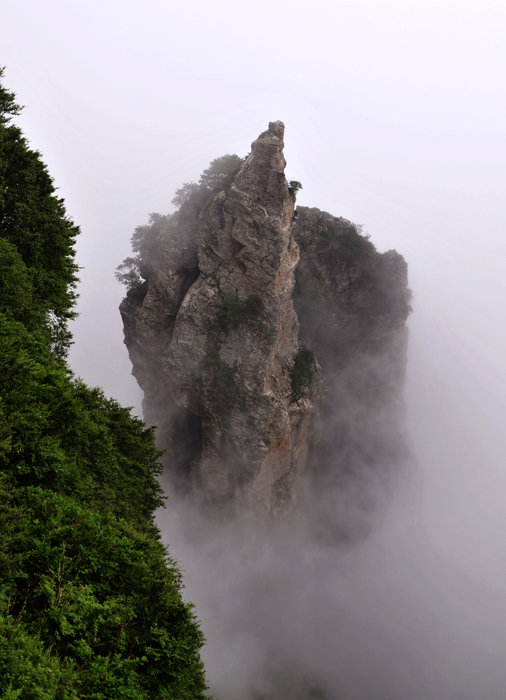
x=348, y=242
x=8, y=106
x=58, y=432
x=356, y=242
x=232, y=310
x=27, y=670
x=90, y=603
x=128, y=273
x=137, y=293
x=293, y=187
x=104, y=598
x=144, y=236
x=34, y=220
x=221, y=172
x=218, y=176
x=133, y=272
x=16, y=289
x=186, y=193
x=303, y=370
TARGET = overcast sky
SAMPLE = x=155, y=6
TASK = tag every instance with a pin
x=395, y=116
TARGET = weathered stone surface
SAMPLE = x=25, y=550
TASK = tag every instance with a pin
x=218, y=348
x=233, y=375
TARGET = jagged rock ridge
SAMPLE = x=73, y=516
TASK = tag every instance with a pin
x=216, y=344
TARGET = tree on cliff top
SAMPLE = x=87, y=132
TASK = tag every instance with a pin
x=133, y=271
x=218, y=176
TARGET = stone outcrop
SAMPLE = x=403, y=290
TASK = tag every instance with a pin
x=352, y=304
x=216, y=338
x=231, y=370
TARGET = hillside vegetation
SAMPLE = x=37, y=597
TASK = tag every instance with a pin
x=90, y=603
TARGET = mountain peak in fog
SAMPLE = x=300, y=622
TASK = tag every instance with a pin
x=269, y=341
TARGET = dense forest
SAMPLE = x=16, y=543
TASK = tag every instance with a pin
x=90, y=603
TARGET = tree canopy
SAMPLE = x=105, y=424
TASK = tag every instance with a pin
x=34, y=219
x=218, y=176
x=90, y=602
x=133, y=272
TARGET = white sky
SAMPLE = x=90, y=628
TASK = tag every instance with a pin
x=395, y=116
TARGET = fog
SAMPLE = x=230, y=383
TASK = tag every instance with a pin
x=394, y=115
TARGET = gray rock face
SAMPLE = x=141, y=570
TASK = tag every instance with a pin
x=352, y=303
x=361, y=294
x=220, y=351
x=216, y=341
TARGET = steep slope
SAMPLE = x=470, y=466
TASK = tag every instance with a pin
x=90, y=602
x=231, y=371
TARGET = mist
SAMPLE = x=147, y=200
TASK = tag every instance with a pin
x=394, y=118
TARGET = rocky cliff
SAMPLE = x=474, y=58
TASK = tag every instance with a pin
x=352, y=304
x=249, y=393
